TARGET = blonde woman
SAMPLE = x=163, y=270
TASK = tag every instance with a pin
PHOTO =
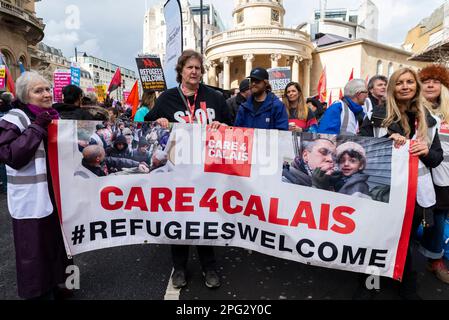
x=435, y=79
x=406, y=117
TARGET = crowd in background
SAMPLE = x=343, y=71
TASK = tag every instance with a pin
x=409, y=105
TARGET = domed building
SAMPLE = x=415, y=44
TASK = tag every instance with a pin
x=258, y=39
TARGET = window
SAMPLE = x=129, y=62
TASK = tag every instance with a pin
x=390, y=69
x=275, y=15
x=240, y=17
x=380, y=67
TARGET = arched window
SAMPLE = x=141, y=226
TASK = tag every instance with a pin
x=9, y=59
x=380, y=67
x=390, y=69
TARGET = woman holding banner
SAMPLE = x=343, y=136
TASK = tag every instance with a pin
x=407, y=117
x=435, y=79
x=41, y=259
x=191, y=102
x=301, y=117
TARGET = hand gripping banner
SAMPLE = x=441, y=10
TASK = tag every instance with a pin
x=330, y=201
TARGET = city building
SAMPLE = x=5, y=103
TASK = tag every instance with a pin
x=362, y=22
x=46, y=59
x=19, y=29
x=154, y=35
x=102, y=71
x=429, y=40
x=258, y=39
x=366, y=58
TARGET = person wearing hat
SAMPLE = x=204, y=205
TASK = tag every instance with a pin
x=263, y=109
x=435, y=88
x=141, y=153
x=351, y=160
x=97, y=137
x=344, y=116
x=236, y=101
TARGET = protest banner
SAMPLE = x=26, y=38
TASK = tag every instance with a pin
x=279, y=78
x=101, y=92
x=254, y=189
x=2, y=76
x=61, y=78
x=75, y=72
x=174, y=42
x=151, y=73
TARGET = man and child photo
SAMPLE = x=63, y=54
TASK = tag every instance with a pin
x=346, y=165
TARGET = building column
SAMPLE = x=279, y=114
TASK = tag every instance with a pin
x=295, y=68
x=307, y=70
x=275, y=60
x=249, y=59
x=226, y=72
x=212, y=74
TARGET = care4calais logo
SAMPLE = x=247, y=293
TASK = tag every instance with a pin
x=229, y=151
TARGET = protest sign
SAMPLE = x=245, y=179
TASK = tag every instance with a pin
x=2, y=76
x=75, y=71
x=254, y=189
x=61, y=78
x=101, y=92
x=279, y=78
x=151, y=73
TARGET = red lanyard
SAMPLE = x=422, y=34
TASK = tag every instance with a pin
x=191, y=107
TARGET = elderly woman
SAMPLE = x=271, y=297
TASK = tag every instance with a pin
x=40, y=255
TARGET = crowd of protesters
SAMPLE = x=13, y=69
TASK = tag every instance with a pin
x=409, y=105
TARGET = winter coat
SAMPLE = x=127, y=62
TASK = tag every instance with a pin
x=331, y=122
x=234, y=104
x=355, y=185
x=72, y=112
x=272, y=114
x=171, y=106
x=114, y=152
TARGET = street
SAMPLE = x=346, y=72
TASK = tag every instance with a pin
x=142, y=272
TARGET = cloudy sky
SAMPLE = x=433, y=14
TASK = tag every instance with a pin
x=113, y=30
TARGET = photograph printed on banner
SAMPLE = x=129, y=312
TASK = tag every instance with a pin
x=122, y=148
x=355, y=166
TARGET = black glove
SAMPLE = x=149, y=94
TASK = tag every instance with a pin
x=320, y=179
x=323, y=181
x=43, y=119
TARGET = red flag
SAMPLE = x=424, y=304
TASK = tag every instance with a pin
x=9, y=81
x=351, y=77
x=116, y=81
x=330, y=99
x=322, y=84
x=341, y=95
x=133, y=99
x=367, y=80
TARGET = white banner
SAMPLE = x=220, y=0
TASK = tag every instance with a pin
x=174, y=42
x=336, y=202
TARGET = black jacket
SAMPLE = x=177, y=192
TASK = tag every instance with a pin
x=234, y=104
x=72, y=112
x=171, y=106
x=435, y=156
x=114, y=152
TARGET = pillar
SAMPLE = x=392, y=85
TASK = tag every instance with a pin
x=295, y=68
x=275, y=60
x=249, y=59
x=307, y=69
x=226, y=72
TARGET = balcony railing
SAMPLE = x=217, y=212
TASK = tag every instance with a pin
x=20, y=13
x=247, y=33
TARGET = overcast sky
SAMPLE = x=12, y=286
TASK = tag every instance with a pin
x=113, y=30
